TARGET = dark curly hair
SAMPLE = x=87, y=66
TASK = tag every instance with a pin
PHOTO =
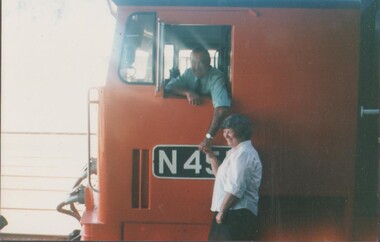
x=240, y=124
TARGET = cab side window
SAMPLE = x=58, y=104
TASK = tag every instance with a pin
x=138, y=53
x=177, y=41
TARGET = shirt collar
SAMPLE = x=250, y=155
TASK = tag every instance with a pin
x=243, y=144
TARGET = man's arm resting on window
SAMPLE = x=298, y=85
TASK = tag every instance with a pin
x=192, y=97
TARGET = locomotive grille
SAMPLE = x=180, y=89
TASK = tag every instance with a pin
x=140, y=178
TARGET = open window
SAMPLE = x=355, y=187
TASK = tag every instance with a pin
x=138, y=52
x=177, y=41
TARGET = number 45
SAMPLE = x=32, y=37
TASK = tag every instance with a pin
x=194, y=162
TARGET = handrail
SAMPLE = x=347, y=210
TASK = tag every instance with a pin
x=89, y=102
x=364, y=111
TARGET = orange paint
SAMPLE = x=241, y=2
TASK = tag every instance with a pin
x=294, y=72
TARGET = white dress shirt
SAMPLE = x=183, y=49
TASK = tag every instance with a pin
x=240, y=175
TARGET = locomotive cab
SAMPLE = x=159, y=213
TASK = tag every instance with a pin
x=175, y=42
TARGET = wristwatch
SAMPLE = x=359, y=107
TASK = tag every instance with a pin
x=208, y=136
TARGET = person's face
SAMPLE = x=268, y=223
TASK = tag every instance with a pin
x=230, y=136
x=199, y=66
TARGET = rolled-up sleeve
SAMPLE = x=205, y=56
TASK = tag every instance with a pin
x=182, y=81
x=219, y=94
x=238, y=176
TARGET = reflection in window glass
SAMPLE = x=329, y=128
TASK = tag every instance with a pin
x=137, y=64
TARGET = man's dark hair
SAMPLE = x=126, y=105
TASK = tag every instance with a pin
x=240, y=124
x=201, y=49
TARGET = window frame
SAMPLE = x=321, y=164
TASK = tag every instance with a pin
x=162, y=41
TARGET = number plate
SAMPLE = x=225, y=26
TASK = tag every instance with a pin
x=184, y=161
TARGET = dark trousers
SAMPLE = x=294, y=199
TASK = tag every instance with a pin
x=240, y=224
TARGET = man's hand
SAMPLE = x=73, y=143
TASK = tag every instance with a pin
x=193, y=98
x=205, y=145
x=208, y=151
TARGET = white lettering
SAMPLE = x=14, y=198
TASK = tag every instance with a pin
x=196, y=165
x=163, y=158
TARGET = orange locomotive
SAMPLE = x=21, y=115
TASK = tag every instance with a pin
x=293, y=68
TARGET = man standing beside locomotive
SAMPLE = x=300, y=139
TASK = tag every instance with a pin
x=200, y=79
